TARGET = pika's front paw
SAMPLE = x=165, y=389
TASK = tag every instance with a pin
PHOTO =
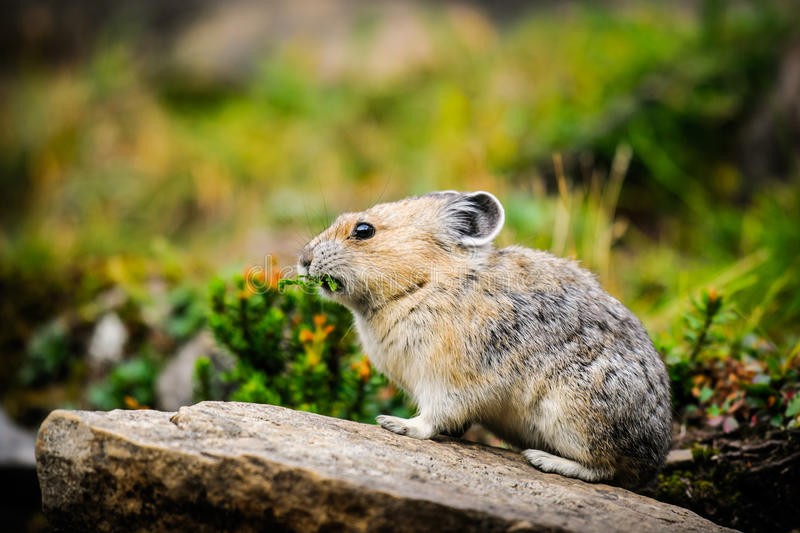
x=393, y=424
x=416, y=427
x=541, y=460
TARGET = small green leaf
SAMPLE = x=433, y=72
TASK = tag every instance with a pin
x=331, y=283
x=301, y=280
x=793, y=408
x=758, y=389
x=309, y=282
x=705, y=394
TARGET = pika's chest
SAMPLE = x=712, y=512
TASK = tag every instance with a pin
x=400, y=350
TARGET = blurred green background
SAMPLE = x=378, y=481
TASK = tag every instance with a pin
x=148, y=149
x=152, y=154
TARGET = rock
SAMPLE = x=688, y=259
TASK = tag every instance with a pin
x=221, y=466
x=19, y=491
x=679, y=458
x=107, y=345
x=16, y=444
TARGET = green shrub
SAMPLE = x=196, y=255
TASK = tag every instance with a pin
x=130, y=384
x=726, y=374
x=48, y=355
x=187, y=313
x=292, y=349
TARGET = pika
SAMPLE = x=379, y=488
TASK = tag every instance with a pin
x=521, y=341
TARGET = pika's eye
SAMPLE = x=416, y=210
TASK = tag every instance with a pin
x=363, y=231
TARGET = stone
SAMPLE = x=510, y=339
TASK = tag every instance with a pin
x=16, y=444
x=225, y=466
x=107, y=345
x=19, y=492
x=679, y=458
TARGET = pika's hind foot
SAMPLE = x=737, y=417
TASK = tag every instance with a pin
x=547, y=462
x=417, y=427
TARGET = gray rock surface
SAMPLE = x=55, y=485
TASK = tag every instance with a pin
x=231, y=466
x=16, y=444
x=107, y=345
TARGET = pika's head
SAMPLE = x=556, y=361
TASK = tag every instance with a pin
x=390, y=250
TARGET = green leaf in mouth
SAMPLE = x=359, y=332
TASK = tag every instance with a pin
x=310, y=282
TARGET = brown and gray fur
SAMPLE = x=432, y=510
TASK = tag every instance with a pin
x=525, y=343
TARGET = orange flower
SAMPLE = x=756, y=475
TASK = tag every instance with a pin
x=306, y=335
x=275, y=273
x=363, y=369
x=320, y=319
x=276, y=277
x=713, y=295
x=254, y=280
x=133, y=403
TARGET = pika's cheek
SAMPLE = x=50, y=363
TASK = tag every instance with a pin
x=365, y=269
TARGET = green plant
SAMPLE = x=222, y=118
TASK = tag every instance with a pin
x=726, y=374
x=48, y=356
x=187, y=313
x=309, y=282
x=130, y=384
x=292, y=349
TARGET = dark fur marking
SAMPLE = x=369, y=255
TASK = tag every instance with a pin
x=442, y=245
x=408, y=291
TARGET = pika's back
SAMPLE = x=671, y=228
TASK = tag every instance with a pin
x=555, y=363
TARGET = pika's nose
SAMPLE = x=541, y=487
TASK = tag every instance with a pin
x=305, y=259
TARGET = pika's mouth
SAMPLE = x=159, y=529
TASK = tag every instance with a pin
x=331, y=285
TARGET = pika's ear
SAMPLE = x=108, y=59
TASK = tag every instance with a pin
x=475, y=218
